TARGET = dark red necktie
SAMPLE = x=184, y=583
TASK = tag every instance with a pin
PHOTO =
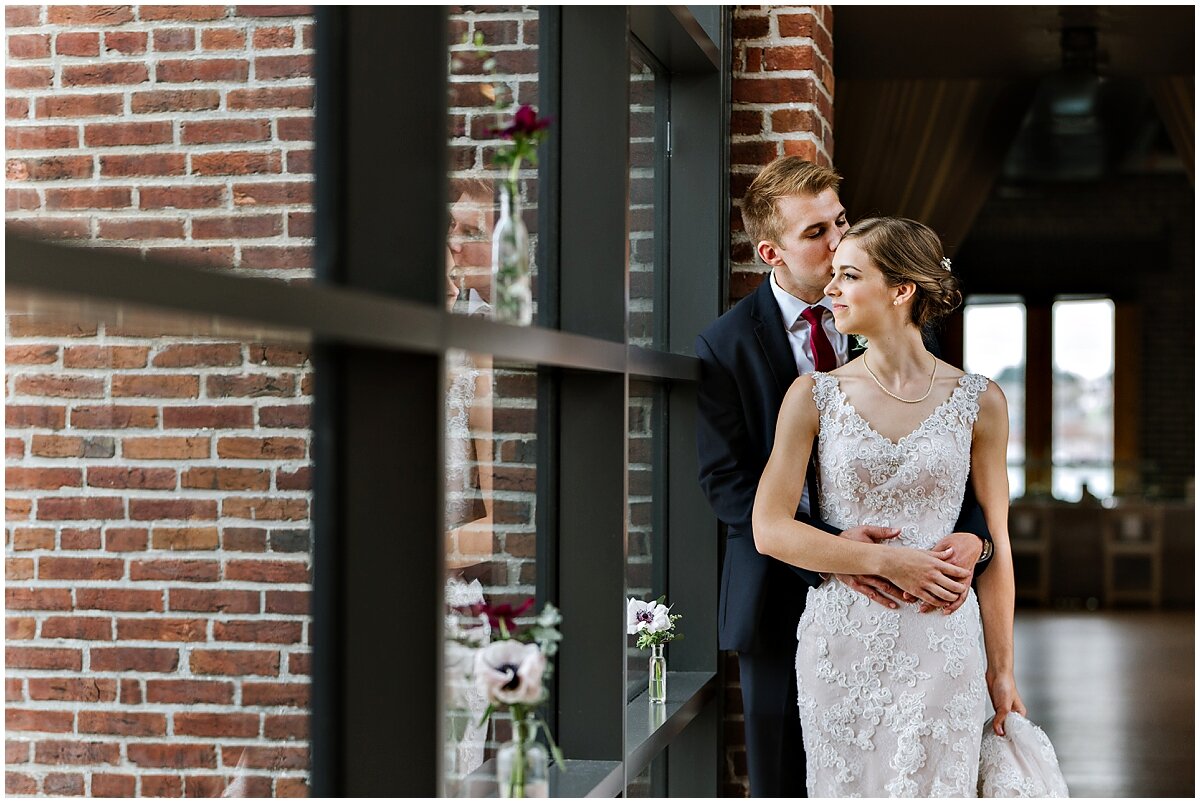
x=824, y=357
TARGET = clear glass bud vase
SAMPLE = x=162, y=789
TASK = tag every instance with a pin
x=512, y=295
x=523, y=765
x=658, y=674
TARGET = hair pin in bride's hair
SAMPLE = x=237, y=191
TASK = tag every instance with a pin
x=946, y=264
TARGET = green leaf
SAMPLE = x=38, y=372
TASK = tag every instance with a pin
x=487, y=714
x=554, y=750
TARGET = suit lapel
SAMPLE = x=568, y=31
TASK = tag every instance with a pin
x=772, y=337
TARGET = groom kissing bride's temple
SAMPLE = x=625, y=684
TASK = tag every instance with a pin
x=889, y=681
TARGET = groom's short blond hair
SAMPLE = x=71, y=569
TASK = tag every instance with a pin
x=784, y=177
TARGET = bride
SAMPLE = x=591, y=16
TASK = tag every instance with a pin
x=892, y=701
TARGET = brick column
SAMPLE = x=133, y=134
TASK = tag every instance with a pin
x=782, y=104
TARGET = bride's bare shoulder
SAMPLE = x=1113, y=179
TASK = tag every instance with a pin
x=798, y=403
x=801, y=387
x=851, y=369
x=945, y=369
x=993, y=406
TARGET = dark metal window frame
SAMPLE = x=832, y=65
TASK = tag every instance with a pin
x=380, y=333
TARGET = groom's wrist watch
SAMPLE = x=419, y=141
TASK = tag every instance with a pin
x=987, y=550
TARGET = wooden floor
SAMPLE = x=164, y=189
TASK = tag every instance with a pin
x=1115, y=692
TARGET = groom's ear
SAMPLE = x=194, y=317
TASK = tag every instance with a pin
x=768, y=253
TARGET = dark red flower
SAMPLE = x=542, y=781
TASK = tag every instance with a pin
x=525, y=122
x=501, y=613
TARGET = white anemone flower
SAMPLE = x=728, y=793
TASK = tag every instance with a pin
x=651, y=616
x=510, y=672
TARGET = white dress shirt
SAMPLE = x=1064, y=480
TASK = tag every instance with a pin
x=799, y=335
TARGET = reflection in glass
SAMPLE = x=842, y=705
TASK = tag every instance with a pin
x=159, y=553
x=492, y=56
x=643, y=192
x=651, y=782
x=490, y=541
x=994, y=345
x=493, y=63
x=469, y=246
x=645, y=569
x=1082, y=443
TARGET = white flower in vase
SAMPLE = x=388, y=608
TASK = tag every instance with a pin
x=509, y=672
x=647, y=616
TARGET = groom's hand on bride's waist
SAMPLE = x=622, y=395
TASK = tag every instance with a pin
x=967, y=549
x=876, y=589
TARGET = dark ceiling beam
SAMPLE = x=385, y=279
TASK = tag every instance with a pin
x=908, y=41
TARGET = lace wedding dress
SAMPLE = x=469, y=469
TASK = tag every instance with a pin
x=892, y=702
x=463, y=501
x=465, y=703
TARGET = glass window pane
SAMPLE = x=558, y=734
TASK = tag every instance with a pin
x=994, y=345
x=491, y=542
x=645, y=569
x=647, y=208
x=158, y=550
x=1082, y=443
x=493, y=62
x=651, y=782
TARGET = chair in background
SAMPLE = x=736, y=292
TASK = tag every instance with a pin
x=1133, y=533
x=1030, y=540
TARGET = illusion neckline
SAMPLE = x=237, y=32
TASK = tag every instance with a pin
x=962, y=383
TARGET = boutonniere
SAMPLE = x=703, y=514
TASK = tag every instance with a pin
x=860, y=342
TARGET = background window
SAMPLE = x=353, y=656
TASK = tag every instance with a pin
x=1083, y=398
x=994, y=345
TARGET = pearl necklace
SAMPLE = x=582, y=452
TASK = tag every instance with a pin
x=893, y=395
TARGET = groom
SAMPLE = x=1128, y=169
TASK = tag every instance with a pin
x=749, y=358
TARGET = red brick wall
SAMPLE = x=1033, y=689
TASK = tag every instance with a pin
x=181, y=132
x=782, y=104
x=157, y=523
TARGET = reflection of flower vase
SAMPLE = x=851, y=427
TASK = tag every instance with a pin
x=522, y=765
x=512, y=296
x=658, y=716
x=658, y=674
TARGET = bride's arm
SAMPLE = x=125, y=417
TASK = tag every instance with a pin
x=779, y=535
x=997, y=591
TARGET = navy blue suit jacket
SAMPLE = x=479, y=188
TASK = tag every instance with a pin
x=747, y=366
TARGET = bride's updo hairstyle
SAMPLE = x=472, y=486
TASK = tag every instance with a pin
x=908, y=251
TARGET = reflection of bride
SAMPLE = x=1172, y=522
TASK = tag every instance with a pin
x=468, y=461
x=468, y=488
x=465, y=703
x=468, y=389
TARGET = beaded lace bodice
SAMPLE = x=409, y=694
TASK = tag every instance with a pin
x=916, y=483
x=461, y=485
x=891, y=700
